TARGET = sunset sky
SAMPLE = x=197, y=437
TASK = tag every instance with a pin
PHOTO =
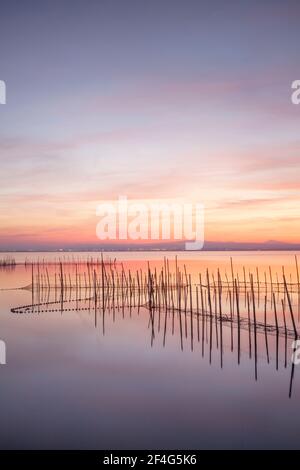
x=159, y=99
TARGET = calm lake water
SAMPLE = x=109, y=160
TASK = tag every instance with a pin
x=81, y=376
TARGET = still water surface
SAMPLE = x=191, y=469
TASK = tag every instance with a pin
x=76, y=378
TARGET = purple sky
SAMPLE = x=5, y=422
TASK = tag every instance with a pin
x=178, y=99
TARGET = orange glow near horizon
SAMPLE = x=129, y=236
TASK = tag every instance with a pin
x=243, y=221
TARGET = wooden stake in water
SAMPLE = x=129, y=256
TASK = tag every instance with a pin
x=290, y=306
x=238, y=316
x=298, y=284
x=277, y=330
x=266, y=331
x=255, y=331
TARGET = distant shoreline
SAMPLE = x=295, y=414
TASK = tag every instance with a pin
x=254, y=250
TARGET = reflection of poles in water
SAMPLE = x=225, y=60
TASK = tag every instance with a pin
x=249, y=325
x=163, y=291
x=231, y=318
x=202, y=313
x=185, y=302
x=255, y=331
x=266, y=331
x=62, y=288
x=210, y=315
x=197, y=307
x=238, y=317
x=191, y=311
x=294, y=326
x=104, y=283
x=291, y=379
x=232, y=280
x=277, y=331
x=220, y=313
x=216, y=313
x=32, y=287
x=95, y=296
x=290, y=305
x=150, y=296
x=38, y=286
x=165, y=328
x=285, y=334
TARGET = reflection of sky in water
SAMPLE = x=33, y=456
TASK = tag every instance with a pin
x=68, y=385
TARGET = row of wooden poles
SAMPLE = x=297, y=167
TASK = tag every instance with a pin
x=170, y=290
x=260, y=285
x=68, y=260
x=7, y=261
x=109, y=286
